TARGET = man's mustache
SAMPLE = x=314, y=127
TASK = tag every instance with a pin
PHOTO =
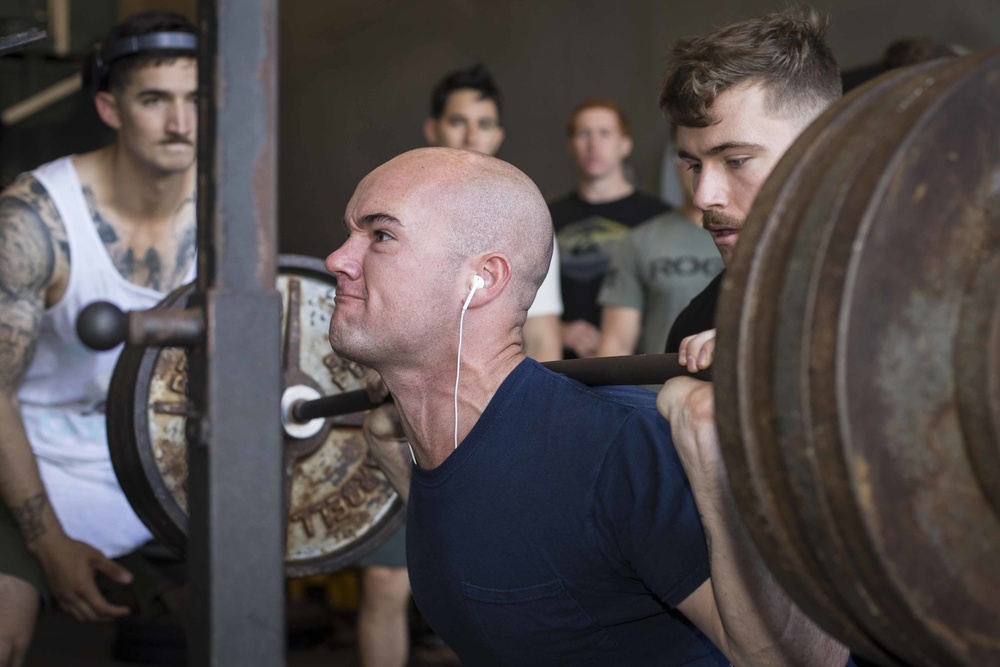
x=719, y=220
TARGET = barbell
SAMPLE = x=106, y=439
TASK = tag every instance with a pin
x=857, y=375
x=339, y=505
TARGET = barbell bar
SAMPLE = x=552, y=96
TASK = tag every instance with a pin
x=103, y=325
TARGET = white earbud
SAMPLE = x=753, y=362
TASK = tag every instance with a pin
x=477, y=283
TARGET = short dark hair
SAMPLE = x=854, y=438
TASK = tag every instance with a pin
x=476, y=78
x=600, y=103
x=115, y=75
x=784, y=51
x=913, y=50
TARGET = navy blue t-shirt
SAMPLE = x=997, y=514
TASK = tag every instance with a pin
x=561, y=532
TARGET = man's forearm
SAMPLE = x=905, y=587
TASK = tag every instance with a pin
x=612, y=346
x=746, y=613
x=620, y=328
x=762, y=625
x=541, y=335
x=394, y=461
x=21, y=485
x=389, y=447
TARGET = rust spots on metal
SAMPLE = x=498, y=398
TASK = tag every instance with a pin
x=340, y=505
x=293, y=330
x=343, y=372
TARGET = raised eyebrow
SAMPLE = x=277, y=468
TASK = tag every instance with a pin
x=378, y=218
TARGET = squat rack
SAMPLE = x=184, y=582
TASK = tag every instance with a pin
x=236, y=526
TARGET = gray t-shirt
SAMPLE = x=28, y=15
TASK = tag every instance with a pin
x=658, y=268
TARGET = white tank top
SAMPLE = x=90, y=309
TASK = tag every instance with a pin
x=63, y=393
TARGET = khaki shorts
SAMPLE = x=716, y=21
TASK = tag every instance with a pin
x=155, y=570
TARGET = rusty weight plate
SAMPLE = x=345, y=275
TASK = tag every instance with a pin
x=744, y=391
x=339, y=504
x=811, y=458
x=977, y=368
x=787, y=381
x=904, y=253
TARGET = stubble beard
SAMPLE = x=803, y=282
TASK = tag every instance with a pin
x=712, y=218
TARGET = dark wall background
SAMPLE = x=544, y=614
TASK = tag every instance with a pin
x=357, y=78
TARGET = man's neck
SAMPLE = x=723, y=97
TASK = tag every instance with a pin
x=611, y=187
x=138, y=193
x=425, y=398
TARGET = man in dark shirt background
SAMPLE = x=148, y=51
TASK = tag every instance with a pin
x=594, y=218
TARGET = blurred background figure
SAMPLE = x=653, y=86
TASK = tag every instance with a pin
x=465, y=113
x=658, y=268
x=901, y=53
x=913, y=50
x=114, y=224
x=594, y=218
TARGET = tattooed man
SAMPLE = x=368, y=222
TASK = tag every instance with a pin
x=116, y=224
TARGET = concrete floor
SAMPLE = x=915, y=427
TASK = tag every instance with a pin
x=62, y=642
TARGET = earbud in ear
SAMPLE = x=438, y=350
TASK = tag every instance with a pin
x=477, y=283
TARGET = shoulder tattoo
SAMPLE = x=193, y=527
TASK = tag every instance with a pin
x=28, y=252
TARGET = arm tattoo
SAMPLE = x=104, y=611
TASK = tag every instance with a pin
x=27, y=254
x=18, y=336
x=27, y=263
x=29, y=517
x=38, y=198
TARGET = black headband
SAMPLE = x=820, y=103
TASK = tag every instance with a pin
x=154, y=41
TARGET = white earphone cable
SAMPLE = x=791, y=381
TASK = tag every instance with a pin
x=458, y=370
x=477, y=282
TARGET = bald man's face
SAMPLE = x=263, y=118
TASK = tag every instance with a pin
x=392, y=271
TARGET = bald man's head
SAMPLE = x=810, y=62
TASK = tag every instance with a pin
x=485, y=204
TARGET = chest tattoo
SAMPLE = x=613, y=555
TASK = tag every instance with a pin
x=159, y=268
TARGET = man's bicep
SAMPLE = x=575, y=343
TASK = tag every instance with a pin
x=27, y=262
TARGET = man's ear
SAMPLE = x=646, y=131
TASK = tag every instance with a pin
x=430, y=131
x=107, y=109
x=495, y=272
x=627, y=148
